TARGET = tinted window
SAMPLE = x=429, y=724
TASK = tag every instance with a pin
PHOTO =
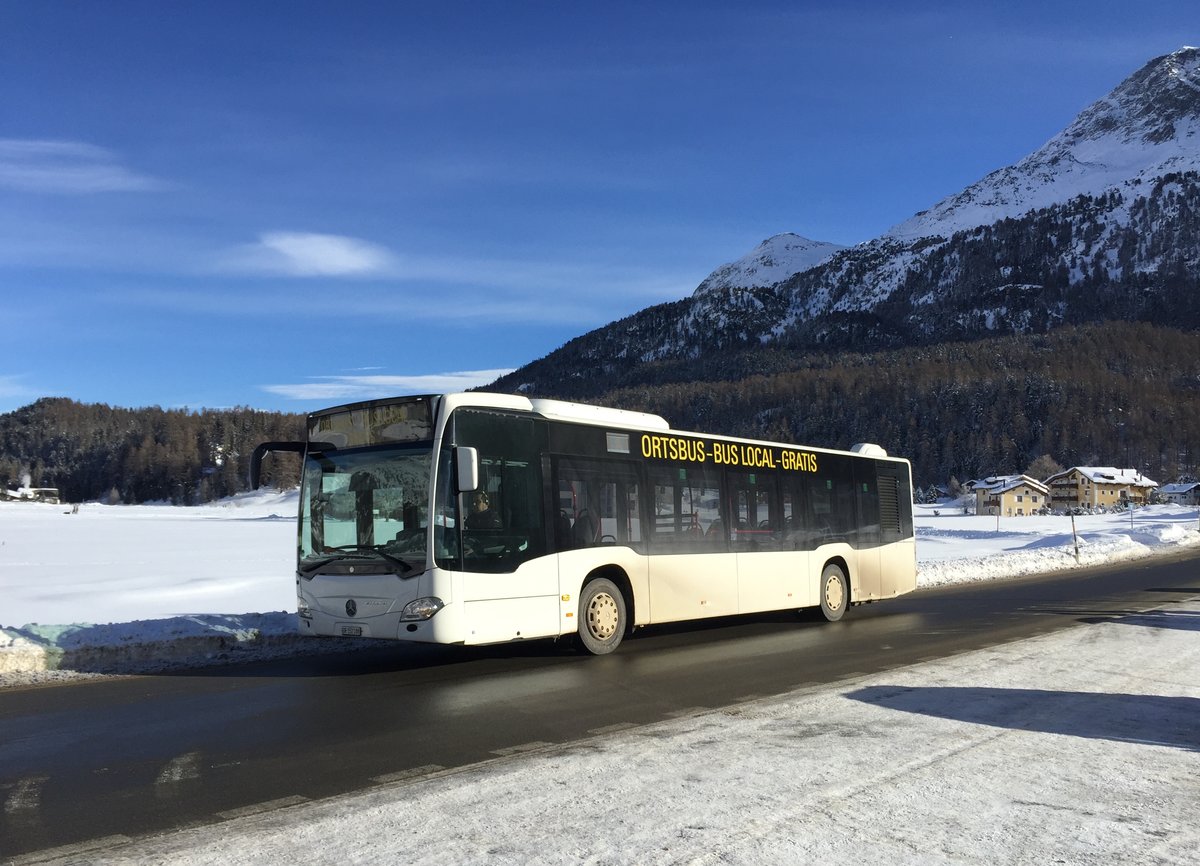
x=598, y=502
x=686, y=514
x=756, y=512
x=502, y=523
x=823, y=505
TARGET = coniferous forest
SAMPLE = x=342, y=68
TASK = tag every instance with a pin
x=1114, y=394
x=97, y=452
x=1122, y=394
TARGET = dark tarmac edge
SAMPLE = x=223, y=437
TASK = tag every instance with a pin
x=35, y=666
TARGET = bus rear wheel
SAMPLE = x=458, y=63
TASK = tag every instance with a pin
x=602, y=617
x=835, y=592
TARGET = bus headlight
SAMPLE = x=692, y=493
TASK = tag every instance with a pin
x=302, y=609
x=421, y=608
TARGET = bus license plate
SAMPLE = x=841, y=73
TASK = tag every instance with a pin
x=352, y=631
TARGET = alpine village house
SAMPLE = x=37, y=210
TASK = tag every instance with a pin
x=1078, y=487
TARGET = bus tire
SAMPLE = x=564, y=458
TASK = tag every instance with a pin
x=835, y=592
x=602, y=617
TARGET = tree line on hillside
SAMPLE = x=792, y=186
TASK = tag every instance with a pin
x=97, y=452
x=1121, y=394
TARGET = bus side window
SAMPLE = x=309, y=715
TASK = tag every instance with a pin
x=758, y=524
x=598, y=503
x=687, y=511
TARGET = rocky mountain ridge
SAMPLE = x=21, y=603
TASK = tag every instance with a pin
x=1102, y=223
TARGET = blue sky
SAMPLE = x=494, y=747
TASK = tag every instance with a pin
x=292, y=205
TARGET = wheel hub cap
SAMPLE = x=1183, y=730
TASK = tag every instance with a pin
x=602, y=616
x=833, y=593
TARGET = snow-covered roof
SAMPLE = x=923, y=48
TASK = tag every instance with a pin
x=1176, y=489
x=1108, y=475
x=1004, y=483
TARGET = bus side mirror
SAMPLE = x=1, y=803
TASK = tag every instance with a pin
x=467, y=460
x=262, y=451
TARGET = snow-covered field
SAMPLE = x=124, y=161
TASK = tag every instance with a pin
x=128, y=588
x=1082, y=746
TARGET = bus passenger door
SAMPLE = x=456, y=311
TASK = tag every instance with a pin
x=692, y=572
x=770, y=576
x=597, y=522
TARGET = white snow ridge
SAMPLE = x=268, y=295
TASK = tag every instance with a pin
x=1148, y=126
x=776, y=259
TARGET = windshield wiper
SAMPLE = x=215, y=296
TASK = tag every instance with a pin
x=352, y=552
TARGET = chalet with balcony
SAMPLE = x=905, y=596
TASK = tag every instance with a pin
x=1099, y=487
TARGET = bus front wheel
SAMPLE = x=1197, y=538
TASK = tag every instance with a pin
x=835, y=592
x=602, y=618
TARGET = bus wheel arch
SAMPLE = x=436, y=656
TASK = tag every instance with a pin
x=605, y=610
x=834, y=589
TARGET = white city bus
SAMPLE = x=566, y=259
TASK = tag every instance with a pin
x=484, y=518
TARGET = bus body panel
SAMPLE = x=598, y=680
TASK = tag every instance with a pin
x=692, y=586
x=537, y=578
x=866, y=579
x=774, y=580
x=514, y=605
x=498, y=620
x=898, y=567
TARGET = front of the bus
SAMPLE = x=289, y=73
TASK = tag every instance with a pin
x=367, y=522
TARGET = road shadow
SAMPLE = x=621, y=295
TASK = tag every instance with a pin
x=1151, y=720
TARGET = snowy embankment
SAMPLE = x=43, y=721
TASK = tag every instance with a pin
x=114, y=589
x=1081, y=746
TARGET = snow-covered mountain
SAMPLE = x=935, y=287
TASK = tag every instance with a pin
x=1147, y=127
x=1101, y=223
x=775, y=259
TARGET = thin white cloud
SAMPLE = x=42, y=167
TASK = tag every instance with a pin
x=352, y=388
x=66, y=168
x=309, y=254
x=14, y=391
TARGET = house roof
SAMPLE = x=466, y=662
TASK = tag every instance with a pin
x=1108, y=475
x=1179, y=488
x=1004, y=483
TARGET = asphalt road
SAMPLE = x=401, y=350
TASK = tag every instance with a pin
x=138, y=755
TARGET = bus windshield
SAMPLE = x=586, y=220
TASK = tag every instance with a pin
x=365, y=510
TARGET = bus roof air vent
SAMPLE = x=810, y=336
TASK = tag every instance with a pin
x=868, y=449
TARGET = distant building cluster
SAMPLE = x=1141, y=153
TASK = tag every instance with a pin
x=1080, y=489
x=30, y=494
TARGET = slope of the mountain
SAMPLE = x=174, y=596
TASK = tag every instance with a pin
x=1102, y=223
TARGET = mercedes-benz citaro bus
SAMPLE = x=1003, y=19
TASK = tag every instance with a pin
x=483, y=518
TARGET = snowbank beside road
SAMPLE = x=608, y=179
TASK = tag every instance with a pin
x=962, y=548
x=142, y=588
